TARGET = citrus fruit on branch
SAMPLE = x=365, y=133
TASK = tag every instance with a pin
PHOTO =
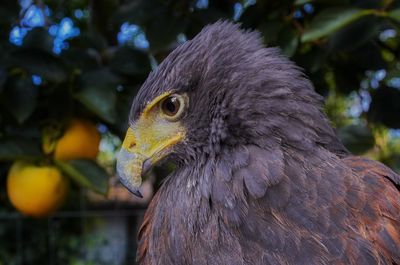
x=36, y=190
x=80, y=140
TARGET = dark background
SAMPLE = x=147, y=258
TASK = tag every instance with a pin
x=63, y=59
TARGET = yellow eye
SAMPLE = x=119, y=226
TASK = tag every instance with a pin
x=172, y=107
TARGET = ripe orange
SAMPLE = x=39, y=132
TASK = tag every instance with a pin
x=80, y=140
x=36, y=190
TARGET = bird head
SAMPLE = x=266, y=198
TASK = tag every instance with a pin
x=219, y=90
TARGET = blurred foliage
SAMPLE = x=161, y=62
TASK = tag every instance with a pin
x=87, y=59
x=62, y=60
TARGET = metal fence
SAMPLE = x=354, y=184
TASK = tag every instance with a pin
x=86, y=235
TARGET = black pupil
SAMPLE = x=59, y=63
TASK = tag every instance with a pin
x=171, y=105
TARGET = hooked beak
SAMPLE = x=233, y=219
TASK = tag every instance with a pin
x=141, y=149
x=131, y=169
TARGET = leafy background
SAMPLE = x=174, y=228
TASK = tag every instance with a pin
x=79, y=58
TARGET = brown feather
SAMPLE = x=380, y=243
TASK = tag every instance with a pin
x=261, y=177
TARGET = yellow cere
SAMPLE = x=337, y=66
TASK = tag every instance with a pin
x=149, y=139
x=152, y=134
x=129, y=140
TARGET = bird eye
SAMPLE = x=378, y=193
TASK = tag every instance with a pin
x=172, y=106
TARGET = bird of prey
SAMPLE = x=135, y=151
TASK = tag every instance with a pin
x=260, y=177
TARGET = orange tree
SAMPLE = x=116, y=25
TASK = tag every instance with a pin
x=80, y=59
x=48, y=76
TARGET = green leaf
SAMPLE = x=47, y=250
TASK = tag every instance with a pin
x=99, y=93
x=99, y=100
x=40, y=63
x=138, y=12
x=100, y=14
x=129, y=61
x=160, y=40
x=19, y=98
x=357, y=138
x=395, y=14
x=288, y=41
x=86, y=173
x=355, y=34
x=101, y=77
x=124, y=103
x=331, y=20
x=385, y=107
x=39, y=38
x=18, y=148
x=89, y=40
x=393, y=73
x=271, y=31
x=396, y=163
x=313, y=60
x=301, y=2
x=82, y=59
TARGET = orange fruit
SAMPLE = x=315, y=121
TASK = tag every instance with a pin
x=36, y=190
x=80, y=140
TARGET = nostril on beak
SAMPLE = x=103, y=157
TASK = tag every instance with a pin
x=129, y=141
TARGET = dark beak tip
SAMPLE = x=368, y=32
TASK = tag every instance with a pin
x=135, y=192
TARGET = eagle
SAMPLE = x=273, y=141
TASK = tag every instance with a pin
x=260, y=176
